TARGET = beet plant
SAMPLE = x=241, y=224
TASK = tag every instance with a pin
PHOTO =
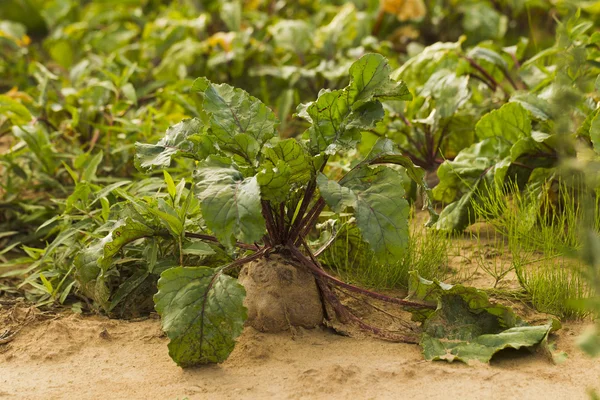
x=262, y=196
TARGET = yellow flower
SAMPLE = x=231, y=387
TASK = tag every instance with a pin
x=24, y=41
x=222, y=39
x=404, y=9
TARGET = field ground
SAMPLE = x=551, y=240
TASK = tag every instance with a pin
x=69, y=356
x=65, y=355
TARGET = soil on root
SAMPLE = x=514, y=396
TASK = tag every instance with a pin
x=280, y=295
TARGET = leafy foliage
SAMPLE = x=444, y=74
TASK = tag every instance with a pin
x=435, y=92
x=520, y=143
x=250, y=191
x=466, y=326
x=202, y=313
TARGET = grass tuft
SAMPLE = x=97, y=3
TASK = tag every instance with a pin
x=540, y=227
x=353, y=261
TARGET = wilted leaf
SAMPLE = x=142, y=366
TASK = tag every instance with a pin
x=483, y=347
x=466, y=326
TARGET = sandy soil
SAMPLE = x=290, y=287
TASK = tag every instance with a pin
x=67, y=356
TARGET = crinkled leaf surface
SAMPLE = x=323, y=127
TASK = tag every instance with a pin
x=381, y=211
x=482, y=348
x=284, y=165
x=511, y=122
x=370, y=80
x=329, y=115
x=201, y=312
x=240, y=123
x=376, y=195
x=338, y=116
x=466, y=326
x=230, y=203
x=184, y=139
x=275, y=181
x=294, y=155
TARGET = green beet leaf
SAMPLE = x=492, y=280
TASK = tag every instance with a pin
x=370, y=80
x=507, y=138
x=448, y=90
x=275, y=181
x=418, y=69
x=284, y=165
x=511, y=122
x=201, y=312
x=466, y=326
x=336, y=196
x=338, y=116
x=385, y=152
x=461, y=180
x=294, y=155
x=375, y=194
x=240, y=124
x=184, y=139
x=230, y=203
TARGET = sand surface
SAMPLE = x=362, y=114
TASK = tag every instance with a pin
x=67, y=356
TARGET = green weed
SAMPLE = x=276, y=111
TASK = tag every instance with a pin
x=538, y=228
x=427, y=252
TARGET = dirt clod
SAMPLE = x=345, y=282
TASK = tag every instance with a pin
x=280, y=295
